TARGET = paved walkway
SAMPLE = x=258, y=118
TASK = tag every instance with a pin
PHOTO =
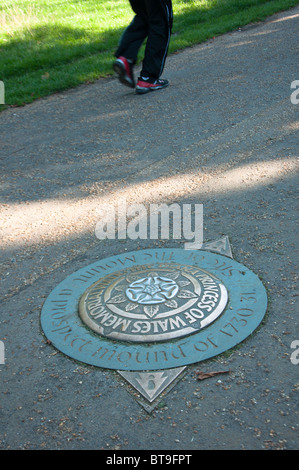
x=224, y=134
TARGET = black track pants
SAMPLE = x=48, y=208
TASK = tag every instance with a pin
x=153, y=20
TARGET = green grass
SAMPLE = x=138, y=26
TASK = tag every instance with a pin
x=51, y=45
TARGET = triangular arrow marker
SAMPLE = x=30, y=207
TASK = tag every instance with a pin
x=221, y=246
x=151, y=384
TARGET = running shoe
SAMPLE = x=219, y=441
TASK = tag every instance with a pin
x=124, y=70
x=146, y=85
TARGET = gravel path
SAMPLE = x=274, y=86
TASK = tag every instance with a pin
x=224, y=134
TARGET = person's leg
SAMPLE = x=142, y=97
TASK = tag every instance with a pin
x=159, y=14
x=130, y=43
x=135, y=33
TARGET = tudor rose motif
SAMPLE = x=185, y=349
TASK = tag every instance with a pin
x=150, y=303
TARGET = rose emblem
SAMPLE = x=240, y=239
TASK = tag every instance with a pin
x=152, y=290
x=150, y=295
x=151, y=302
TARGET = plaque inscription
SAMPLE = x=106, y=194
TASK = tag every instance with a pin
x=150, y=303
x=152, y=310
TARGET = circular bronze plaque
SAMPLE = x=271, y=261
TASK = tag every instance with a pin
x=154, y=309
x=151, y=303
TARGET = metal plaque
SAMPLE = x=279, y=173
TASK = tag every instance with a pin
x=150, y=303
x=151, y=384
x=153, y=310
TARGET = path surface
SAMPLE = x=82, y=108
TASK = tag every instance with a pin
x=224, y=134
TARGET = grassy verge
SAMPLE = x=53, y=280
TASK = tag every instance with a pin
x=51, y=45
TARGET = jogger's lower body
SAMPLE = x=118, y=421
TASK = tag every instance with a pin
x=153, y=20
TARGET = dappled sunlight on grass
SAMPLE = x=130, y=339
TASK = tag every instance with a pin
x=52, y=45
x=19, y=18
x=15, y=20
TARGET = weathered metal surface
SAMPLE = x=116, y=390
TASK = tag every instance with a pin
x=140, y=304
x=239, y=314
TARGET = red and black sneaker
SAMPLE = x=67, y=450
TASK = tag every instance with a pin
x=124, y=70
x=145, y=85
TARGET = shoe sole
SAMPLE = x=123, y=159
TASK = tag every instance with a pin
x=143, y=90
x=122, y=75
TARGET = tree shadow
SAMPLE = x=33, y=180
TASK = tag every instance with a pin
x=81, y=143
x=224, y=135
x=50, y=58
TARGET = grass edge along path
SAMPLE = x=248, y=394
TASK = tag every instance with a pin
x=26, y=87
